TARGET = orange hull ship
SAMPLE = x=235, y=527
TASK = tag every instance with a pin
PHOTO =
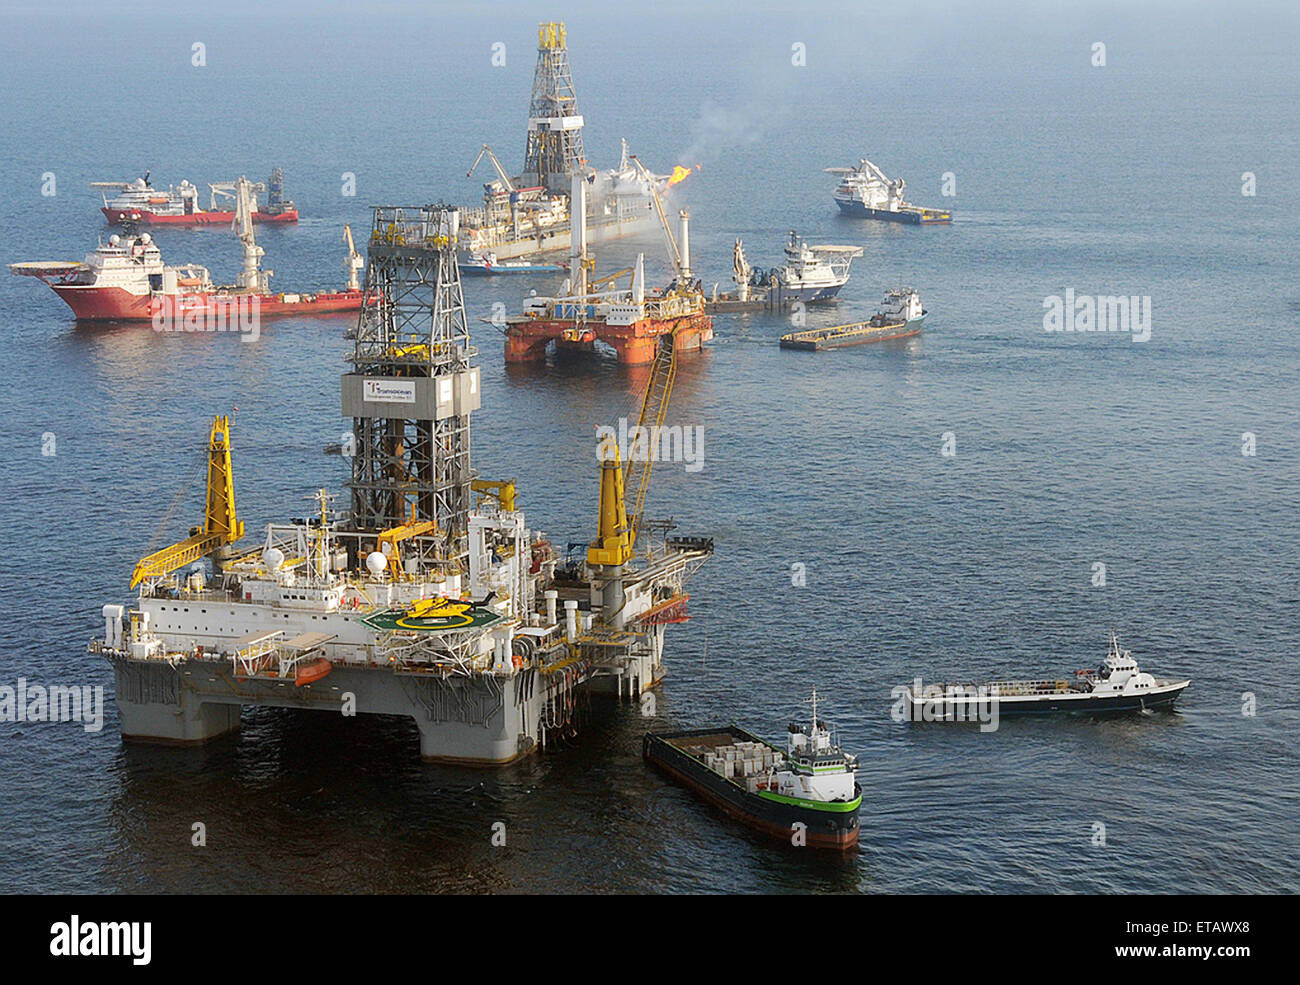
x=631, y=320
x=634, y=339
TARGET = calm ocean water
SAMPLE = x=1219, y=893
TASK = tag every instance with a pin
x=1071, y=449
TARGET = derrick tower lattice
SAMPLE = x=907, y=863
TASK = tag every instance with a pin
x=554, y=148
x=411, y=388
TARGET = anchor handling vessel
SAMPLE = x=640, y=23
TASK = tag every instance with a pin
x=429, y=596
x=140, y=203
x=126, y=280
x=865, y=192
x=808, y=791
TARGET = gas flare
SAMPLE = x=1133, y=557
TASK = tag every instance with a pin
x=679, y=175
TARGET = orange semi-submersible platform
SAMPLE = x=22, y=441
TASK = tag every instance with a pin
x=631, y=320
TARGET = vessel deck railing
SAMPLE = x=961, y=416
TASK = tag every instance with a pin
x=818, y=334
x=1004, y=689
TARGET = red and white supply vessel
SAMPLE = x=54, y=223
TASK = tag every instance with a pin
x=178, y=205
x=126, y=280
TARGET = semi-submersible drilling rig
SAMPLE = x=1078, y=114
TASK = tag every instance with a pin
x=429, y=597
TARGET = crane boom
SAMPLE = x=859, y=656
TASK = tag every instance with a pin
x=354, y=262
x=617, y=531
x=252, y=277
x=221, y=525
x=654, y=407
x=674, y=254
x=501, y=171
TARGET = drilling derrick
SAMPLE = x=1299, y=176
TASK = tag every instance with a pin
x=554, y=148
x=411, y=388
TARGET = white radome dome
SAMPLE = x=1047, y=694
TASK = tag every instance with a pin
x=273, y=557
x=376, y=562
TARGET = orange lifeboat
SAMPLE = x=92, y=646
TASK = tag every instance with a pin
x=311, y=672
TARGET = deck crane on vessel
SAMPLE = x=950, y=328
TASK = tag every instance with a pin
x=221, y=526
x=505, y=178
x=679, y=255
x=354, y=262
x=252, y=278
x=617, y=529
x=389, y=540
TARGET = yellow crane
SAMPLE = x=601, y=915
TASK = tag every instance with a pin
x=393, y=537
x=616, y=531
x=504, y=491
x=220, y=527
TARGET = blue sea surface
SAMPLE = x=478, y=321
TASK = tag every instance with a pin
x=1072, y=450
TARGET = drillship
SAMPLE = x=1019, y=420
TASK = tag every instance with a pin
x=429, y=597
x=530, y=213
x=139, y=202
x=807, y=792
x=864, y=191
x=126, y=280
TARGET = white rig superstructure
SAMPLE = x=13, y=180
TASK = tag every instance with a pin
x=452, y=618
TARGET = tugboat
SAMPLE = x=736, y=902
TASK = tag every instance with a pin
x=866, y=193
x=810, y=784
x=900, y=316
x=178, y=205
x=1116, y=685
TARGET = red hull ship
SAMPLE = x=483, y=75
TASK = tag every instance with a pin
x=199, y=218
x=126, y=280
x=138, y=202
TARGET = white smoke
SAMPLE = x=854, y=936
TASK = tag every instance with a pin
x=720, y=129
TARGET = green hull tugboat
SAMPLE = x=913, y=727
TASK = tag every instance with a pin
x=806, y=794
